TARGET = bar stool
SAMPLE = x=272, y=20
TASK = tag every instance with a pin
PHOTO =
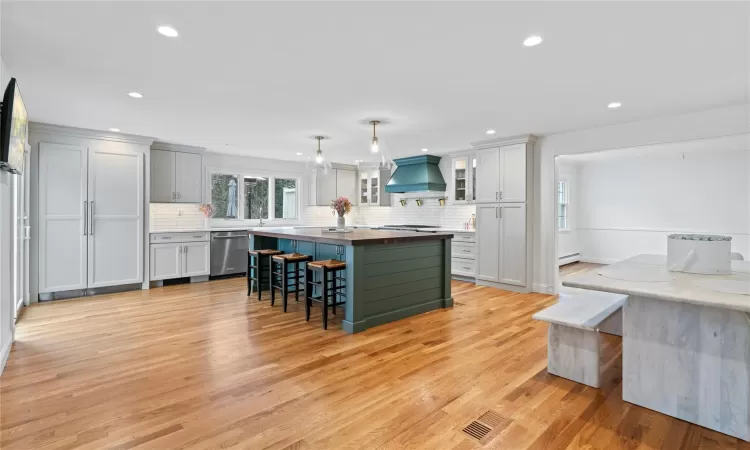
x=281, y=275
x=329, y=294
x=256, y=275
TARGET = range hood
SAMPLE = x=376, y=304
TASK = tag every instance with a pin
x=416, y=174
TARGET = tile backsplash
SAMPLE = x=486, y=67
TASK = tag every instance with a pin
x=172, y=216
x=175, y=216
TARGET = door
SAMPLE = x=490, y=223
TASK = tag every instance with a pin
x=19, y=215
x=346, y=184
x=461, y=179
x=163, y=188
x=513, y=244
x=115, y=217
x=63, y=213
x=375, y=187
x=364, y=188
x=488, y=175
x=27, y=229
x=165, y=261
x=188, y=185
x=513, y=174
x=326, y=187
x=195, y=259
x=488, y=220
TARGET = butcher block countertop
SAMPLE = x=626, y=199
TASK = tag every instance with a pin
x=354, y=237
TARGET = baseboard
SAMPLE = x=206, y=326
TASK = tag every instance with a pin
x=595, y=260
x=569, y=259
x=505, y=287
x=4, y=356
x=543, y=288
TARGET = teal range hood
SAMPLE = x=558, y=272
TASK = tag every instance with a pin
x=416, y=174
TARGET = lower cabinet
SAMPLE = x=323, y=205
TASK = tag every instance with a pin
x=501, y=243
x=463, y=255
x=171, y=258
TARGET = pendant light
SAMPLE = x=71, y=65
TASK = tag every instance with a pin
x=319, y=154
x=374, y=147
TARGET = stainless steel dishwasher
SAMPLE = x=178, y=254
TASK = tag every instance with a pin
x=229, y=252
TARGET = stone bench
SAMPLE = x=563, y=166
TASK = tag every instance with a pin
x=573, y=342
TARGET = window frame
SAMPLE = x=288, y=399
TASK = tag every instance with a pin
x=241, y=176
x=563, y=206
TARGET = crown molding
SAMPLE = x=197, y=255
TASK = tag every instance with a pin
x=58, y=130
x=519, y=139
x=158, y=145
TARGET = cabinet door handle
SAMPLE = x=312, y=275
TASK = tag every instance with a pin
x=501, y=212
x=91, y=219
x=178, y=196
x=496, y=212
x=501, y=195
x=174, y=197
x=85, y=217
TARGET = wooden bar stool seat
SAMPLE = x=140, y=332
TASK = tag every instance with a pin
x=331, y=287
x=280, y=274
x=255, y=268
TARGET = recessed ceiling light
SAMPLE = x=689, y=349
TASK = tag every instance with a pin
x=135, y=94
x=425, y=150
x=116, y=130
x=490, y=132
x=532, y=41
x=168, y=31
x=299, y=154
x=614, y=105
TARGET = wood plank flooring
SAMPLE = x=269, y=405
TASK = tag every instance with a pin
x=203, y=366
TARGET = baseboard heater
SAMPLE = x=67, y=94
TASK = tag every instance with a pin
x=567, y=259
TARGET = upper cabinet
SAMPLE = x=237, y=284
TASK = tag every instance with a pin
x=501, y=173
x=176, y=174
x=372, y=181
x=464, y=178
x=339, y=181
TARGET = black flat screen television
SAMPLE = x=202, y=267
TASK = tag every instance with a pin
x=14, y=129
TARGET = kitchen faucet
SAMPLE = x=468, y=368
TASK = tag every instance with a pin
x=261, y=221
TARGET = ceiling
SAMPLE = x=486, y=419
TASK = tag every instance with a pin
x=262, y=78
x=671, y=150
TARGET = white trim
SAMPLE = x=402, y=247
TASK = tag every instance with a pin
x=5, y=354
x=569, y=259
x=59, y=130
x=666, y=230
x=166, y=146
x=503, y=141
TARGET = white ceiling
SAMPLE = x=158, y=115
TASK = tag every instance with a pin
x=670, y=150
x=261, y=78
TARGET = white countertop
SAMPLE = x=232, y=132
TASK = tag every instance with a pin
x=680, y=287
x=240, y=228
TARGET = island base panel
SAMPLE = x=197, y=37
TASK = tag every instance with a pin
x=688, y=361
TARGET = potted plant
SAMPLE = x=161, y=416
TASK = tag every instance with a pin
x=341, y=207
x=208, y=212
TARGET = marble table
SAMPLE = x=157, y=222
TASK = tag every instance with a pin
x=686, y=348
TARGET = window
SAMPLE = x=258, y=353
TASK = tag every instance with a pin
x=285, y=198
x=256, y=198
x=225, y=196
x=562, y=205
x=253, y=197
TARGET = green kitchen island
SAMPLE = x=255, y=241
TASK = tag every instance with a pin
x=390, y=275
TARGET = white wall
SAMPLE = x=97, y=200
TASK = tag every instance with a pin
x=629, y=204
x=7, y=326
x=725, y=121
x=568, y=239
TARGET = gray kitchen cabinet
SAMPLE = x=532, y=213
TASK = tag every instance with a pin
x=176, y=176
x=340, y=181
x=162, y=176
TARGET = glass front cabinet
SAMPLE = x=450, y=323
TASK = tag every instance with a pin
x=371, y=184
x=464, y=178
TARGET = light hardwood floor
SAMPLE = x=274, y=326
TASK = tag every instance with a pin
x=203, y=366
